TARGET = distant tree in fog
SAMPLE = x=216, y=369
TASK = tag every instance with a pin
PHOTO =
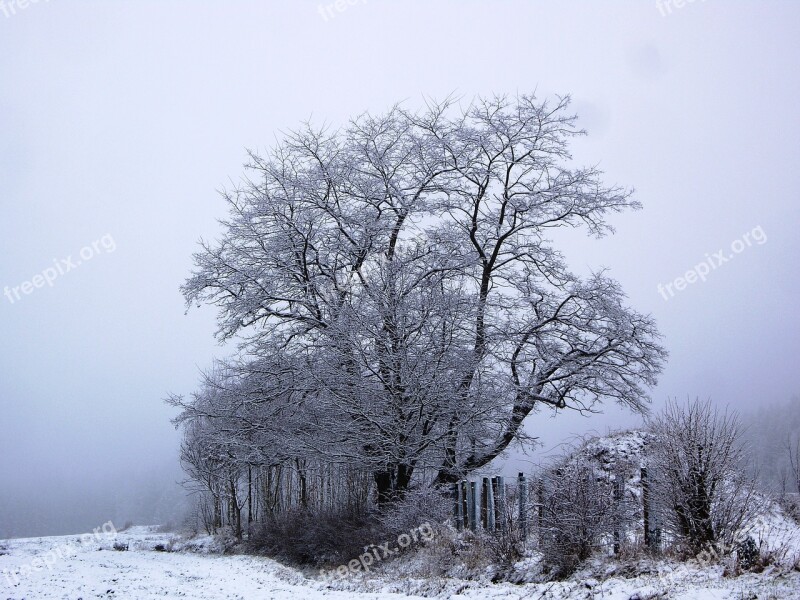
x=768, y=431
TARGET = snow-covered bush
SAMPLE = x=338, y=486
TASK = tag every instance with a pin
x=317, y=538
x=418, y=506
x=579, y=513
x=701, y=487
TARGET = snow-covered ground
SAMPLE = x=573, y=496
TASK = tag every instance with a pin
x=96, y=570
x=70, y=568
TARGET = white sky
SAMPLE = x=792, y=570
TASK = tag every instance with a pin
x=123, y=118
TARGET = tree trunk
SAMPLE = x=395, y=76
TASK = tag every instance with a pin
x=392, y=483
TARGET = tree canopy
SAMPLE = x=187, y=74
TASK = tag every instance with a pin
x=402, y=306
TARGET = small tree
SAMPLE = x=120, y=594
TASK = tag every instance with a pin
x=701, y=486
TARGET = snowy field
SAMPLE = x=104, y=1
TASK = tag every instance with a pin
x=93, y=569
x=96, y=570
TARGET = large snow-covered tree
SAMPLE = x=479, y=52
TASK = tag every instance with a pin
x=398, y=277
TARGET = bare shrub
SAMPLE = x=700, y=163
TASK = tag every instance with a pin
x=451, y=553
x=316, y=538
x=701, y=488
x=468, y=554
x=755, y=557
x=418, y=506
x=579, y=513
x=505, y=546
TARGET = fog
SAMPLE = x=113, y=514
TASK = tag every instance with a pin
x=120, y=121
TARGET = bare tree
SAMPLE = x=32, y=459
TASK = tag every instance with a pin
x=398, y=276
x=771, y=434
x=701, y=485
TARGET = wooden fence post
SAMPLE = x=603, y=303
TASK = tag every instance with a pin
x=463, y=486
x=484, y=495
x=490, y=516
x=540, y=502
x=499, y=503
x=467, y=505
x=619, y=489
x=455, y=490
x=522, y=492
x=646, y=506
x=502, y=513
x=472, y=503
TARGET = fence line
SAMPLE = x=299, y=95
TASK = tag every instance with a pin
x=484, y=504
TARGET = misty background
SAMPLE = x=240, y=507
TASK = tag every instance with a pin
x=119, y=121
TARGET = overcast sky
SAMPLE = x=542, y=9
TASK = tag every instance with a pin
x=120, y=120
